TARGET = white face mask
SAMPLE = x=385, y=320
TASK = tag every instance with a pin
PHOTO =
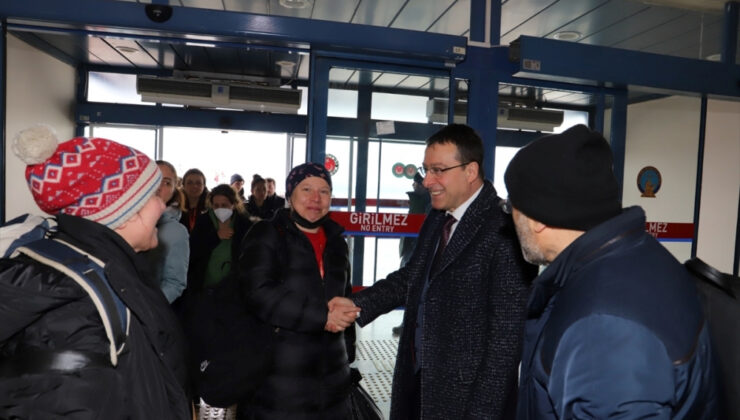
x=223, y=214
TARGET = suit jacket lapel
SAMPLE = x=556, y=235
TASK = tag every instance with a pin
x=466, y=228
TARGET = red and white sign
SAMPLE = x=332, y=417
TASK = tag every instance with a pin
x=378, y=224
x=681, y=232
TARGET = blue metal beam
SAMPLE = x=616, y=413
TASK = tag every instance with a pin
x=478, y=21
x=598, y=115
x=618, y=136
x=318, y=103
x=118, y=17
x=495, y=23
x=729, y=35
x=547, y=59
x=736, y=263
x=3, y=89
x=699, y=173
x=482, y=100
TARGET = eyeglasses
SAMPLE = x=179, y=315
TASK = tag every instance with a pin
x=505, y=206
x=433, y=171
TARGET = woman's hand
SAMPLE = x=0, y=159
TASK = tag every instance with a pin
x=224, y=230
x=342, y=313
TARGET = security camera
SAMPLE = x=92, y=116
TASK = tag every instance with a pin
x=158, y=12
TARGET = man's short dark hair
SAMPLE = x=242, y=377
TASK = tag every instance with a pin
x=468, y=142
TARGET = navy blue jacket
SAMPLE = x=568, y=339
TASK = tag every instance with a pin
x=615, y=330
x=473, y=316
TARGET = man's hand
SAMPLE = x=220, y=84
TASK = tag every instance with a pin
x=342, y=314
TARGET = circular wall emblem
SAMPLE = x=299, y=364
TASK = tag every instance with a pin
x=409, y=171
x=398, y=169
x=649, y=181
x=331, y=163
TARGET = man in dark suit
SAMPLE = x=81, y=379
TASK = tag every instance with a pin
x=460, y=346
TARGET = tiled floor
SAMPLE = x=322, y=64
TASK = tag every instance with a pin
x=376, y=357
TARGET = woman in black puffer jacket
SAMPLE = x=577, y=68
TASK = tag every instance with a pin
x=290, y=267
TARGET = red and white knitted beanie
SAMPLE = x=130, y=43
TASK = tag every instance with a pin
x=94, y=178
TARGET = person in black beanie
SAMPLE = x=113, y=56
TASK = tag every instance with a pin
x=290, y=266
x=614, y=325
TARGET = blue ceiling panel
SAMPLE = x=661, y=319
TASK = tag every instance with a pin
x=418, y=15
x=557, y=16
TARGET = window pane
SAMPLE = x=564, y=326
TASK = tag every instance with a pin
x=113, y=88
x=342, y=103
x=141, y=139
x=219, y=154
x=393, y=107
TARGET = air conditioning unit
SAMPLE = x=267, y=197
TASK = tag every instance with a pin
x=437, y=111
x=529, y=119
x=218, y=94
x=508, y=117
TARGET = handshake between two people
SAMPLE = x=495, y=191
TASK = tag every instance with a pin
x=342, y=314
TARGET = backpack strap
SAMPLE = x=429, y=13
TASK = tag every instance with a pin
x=23, y=229
x=88, y=272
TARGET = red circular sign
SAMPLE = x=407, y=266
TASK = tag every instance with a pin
x=398, y=169
x=409, y=171
x=331, y=164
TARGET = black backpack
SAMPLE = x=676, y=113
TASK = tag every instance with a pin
x=30, y=235
x=719, y=293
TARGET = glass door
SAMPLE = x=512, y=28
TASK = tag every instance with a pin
x=379, y=119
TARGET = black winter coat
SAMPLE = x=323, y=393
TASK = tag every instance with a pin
x=269, y=207
x=204, y=239
x=473, y=316
x=279, y=275
x=44, y=310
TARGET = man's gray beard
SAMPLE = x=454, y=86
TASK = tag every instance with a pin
x=530, y=251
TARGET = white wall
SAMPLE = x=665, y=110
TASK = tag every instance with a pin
x=664, y=133
x=40, y=89
x=720, y=185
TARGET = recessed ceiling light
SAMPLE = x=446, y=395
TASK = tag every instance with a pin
x=567, y=36
x=126, y=49
x=294, y=4
x=715, y=57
